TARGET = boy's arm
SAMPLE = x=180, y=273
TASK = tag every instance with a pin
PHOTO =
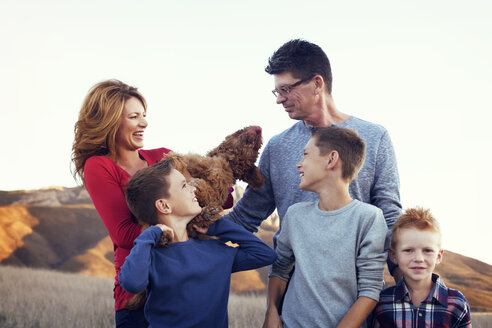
x=370, y=266
x=279, y=276
x=134, y=275
x=276, y=290
x=371, y=255
x=385, y=193
x=358, y=312
x=252, y=253
x=465, y=319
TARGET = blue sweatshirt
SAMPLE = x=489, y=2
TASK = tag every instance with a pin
x=188, y=282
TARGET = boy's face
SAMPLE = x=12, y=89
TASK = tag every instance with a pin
x=312, y=167
x=182, y=196
x=417, y=253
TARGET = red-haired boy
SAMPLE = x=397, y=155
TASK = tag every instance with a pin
x=420, y=298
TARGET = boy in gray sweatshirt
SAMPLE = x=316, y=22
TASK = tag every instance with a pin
x=336, y=243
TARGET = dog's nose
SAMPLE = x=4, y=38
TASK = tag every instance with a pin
x=257, y=129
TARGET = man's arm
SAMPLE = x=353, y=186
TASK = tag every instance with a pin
x=385, y=194
x=358, y=312
x=276, y=290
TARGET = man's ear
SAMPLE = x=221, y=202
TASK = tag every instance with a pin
x=319, y=82
x=163, y=206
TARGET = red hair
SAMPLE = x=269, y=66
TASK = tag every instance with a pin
x=417, y=218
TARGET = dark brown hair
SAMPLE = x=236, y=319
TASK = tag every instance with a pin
x=350, y=147
x=302, y=59
x=146, y=187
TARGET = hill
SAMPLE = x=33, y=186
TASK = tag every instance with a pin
x=59, y=229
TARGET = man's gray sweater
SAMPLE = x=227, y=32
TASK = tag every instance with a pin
x=377, y=182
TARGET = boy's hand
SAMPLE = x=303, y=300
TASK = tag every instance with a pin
x=272, y=320
x=199, y=229
x=166, y=230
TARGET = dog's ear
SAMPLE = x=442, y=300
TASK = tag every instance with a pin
x=179, y=162
x=186, y=174
x=254, y=178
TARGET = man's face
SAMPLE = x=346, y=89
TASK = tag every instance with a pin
x=299, y=102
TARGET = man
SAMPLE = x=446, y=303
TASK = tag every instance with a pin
x=302, y=75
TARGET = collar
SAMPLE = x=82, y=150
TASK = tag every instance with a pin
x=342, y=124
x=439, y=291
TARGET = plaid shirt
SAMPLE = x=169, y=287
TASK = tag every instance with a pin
x=444, y=307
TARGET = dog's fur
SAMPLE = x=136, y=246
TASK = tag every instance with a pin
x=213, y=175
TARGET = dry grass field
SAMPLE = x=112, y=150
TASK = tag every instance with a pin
x=41, y=298
x=48, y=299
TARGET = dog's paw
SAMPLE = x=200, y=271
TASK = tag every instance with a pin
x=209, y=215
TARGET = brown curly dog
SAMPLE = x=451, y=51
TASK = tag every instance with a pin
x=213, y=174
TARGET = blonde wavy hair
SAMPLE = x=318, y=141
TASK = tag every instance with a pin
x=99, y=120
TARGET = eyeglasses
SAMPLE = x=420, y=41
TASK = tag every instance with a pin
x=286, y=89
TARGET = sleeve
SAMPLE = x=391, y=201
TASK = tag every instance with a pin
x=109, y=200
x=134, y=275
x=385, y=193
x=464, y=320
x=284, y=264
x=252, y=253
x=371, y=256
x=255, y=205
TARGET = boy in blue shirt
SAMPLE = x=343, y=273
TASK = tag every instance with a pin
x=420, y=298
x=187, y=282
x=336, y=242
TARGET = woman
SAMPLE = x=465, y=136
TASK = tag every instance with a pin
x=106, y=153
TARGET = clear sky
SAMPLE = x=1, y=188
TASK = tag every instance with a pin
x=420, y=68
